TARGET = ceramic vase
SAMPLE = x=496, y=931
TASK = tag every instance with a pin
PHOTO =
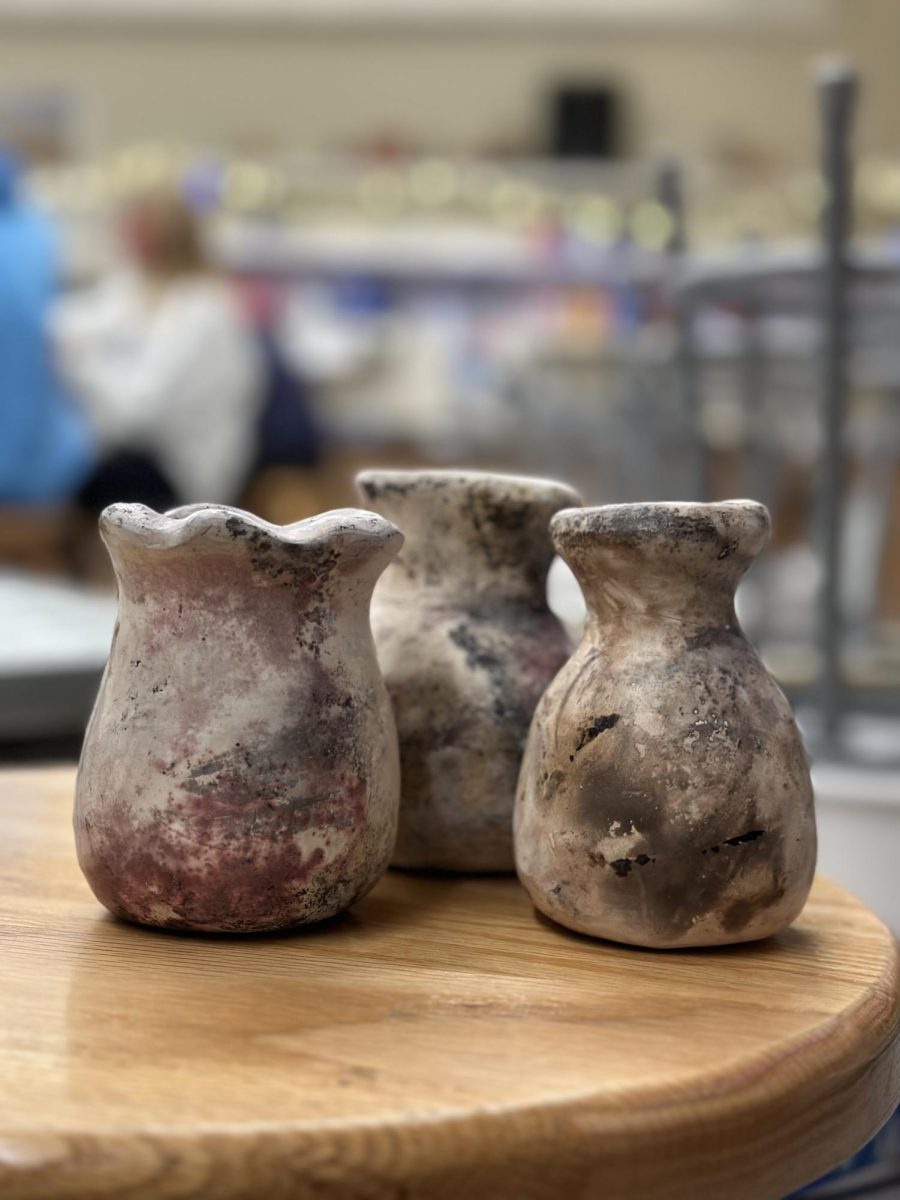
x=665, y=797
x=240, y=771
x=467, y=645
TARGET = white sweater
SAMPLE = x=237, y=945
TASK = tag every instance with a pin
x=177, y=377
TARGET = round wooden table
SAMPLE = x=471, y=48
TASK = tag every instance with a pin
x=442, y=1041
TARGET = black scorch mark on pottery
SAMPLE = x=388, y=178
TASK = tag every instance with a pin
x=596, y=727
x=622, y=866
x=476, y=654
x=742, y=839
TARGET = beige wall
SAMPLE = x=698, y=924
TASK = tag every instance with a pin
x=456, y=89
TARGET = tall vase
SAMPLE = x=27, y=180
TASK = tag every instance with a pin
x=467, y=645
x=240, y=771
x=665, y=797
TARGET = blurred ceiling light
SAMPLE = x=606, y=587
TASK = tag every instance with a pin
x=879, y=185
x=515, y=203
x=142, y=166
x=598, y=219
x=433, y=183
x=382, y=193
x=248, y=186
x=650, y=225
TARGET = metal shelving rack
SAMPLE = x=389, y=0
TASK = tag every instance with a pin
x=817, y=282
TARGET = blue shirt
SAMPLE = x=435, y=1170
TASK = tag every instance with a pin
x=46, y=449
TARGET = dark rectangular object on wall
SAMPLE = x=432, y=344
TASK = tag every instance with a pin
x=585, y=122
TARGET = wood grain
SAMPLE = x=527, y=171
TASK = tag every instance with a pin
x=441, y=1041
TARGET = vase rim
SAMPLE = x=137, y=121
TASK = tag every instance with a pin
x=182, y=525
x=520, y=487
x=745, y=522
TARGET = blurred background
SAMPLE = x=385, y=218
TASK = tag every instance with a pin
x=646, y=246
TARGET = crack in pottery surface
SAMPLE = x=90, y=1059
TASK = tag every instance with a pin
x=467, y=645
x=240, y=771
x=688, y=819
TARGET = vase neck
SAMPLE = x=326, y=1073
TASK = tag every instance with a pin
x=471, y=539
x=619, y=594
x=674, y=563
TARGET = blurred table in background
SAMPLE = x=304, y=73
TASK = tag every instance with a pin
x=53, y=648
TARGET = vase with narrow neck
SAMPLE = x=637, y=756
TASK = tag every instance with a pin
x=467, y=645
x=240, y=771
x=664, y=798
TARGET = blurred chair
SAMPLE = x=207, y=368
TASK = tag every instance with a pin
x=35, y=537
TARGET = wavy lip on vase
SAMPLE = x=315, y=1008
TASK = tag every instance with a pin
x=736, y=527
x=517, y=488
x=180, y=526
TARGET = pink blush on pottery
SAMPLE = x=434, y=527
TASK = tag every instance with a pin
x=240, y=771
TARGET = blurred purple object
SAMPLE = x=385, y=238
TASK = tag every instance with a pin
x=201, y=185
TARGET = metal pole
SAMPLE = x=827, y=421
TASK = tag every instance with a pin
x=756, y=462
x=671, y=197
x=837, y=85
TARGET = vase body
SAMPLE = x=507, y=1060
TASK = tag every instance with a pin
x=240, y=770
x=467, y=645
x=664, y=797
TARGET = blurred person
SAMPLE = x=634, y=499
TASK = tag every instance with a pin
x=46, y=449
x=289, y=434
x=165, y=366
